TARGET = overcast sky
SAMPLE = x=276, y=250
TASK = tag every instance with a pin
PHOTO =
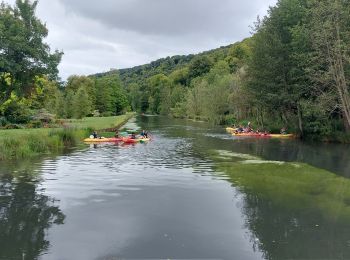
x=99, y=35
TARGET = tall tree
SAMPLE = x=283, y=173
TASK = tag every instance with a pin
x=81, y=103
x=23, y=52
x=329, y=30
x=275, y=78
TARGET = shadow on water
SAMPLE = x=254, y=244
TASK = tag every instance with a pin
x=26, y=214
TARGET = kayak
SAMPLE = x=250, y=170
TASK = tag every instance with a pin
x=282, y=135
x=103, y=140
x=230, y=129
x=264, y=135
x=134, y=141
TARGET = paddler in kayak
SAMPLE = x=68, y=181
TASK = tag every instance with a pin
x=116, y=135
x=283, y=131
x=133, y=136
x=249, y=128
x=239, y=130
x=94, y=134
x=144, y=134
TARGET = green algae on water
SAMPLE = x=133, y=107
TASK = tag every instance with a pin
x=292, y=185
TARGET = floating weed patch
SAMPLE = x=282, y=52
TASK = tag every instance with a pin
x=223, y=154
x=262, y=162
x=294, y=186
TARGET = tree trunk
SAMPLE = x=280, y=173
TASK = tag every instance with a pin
x=337, y=67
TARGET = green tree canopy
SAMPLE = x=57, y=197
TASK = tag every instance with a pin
x=23, y=52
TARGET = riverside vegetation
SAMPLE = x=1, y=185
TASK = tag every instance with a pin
x=292, y=72
x=24, y=143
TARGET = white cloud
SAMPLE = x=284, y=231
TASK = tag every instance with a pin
x=98, y=35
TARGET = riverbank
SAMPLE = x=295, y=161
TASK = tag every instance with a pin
x=27, y=143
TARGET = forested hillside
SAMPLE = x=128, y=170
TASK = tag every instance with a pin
x=293, y=72
x=165, y=86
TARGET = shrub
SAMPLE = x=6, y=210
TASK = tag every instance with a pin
x=3, y=121
x=35, y=124
x=44, y=116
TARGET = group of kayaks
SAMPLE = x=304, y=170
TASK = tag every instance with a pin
x=234, y=132
x=125, y=140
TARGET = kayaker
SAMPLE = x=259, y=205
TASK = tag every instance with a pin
x=143, y=134
x=94, y=134
x=240, y=129
x=116, y=135
x=283, y=131
x=249, y=128
x=133, y=136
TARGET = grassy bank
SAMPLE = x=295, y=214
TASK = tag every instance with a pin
x=25, y=143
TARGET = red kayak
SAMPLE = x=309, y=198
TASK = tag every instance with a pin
x=130, y=141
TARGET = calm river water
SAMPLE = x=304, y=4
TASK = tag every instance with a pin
x=162, y=200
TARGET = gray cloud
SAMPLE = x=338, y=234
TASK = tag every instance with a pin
x=104, y=34
x=166, y=17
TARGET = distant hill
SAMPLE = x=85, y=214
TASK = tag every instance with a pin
x=164, y=65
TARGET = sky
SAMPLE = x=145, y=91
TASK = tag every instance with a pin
x=97, y=36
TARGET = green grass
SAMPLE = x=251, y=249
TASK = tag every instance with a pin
x=98, y=123
x=26, y=143
x=294, y=186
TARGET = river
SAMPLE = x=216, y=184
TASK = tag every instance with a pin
x=170, y=199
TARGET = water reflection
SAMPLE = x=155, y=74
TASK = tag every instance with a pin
x=282, y=233
x=166, y=199
x=26, y=214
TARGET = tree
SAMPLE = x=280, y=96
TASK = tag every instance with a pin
x=200, y=65
x=330, y=36
x=69, y=104
x=23, y=53
x=16, y=110
x=75, y=82
x=43, y=94
x=275, y=77
x=81, y=103
x=156, y=86
x=111, y=99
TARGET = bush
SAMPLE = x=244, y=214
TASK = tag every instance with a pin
x=15, y=111
x=66, y=136
x=13, y=126
x=43, y=116
x=35, y=124
x=107, y=114
x=230, y=120
x=3, y=121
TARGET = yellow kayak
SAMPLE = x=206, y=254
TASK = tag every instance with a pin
x=282, y=135
x=102, y=140
x=261, y=135
x=231, y=130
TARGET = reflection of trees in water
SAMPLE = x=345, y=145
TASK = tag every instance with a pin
x=292, y=234
x=25, y=215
